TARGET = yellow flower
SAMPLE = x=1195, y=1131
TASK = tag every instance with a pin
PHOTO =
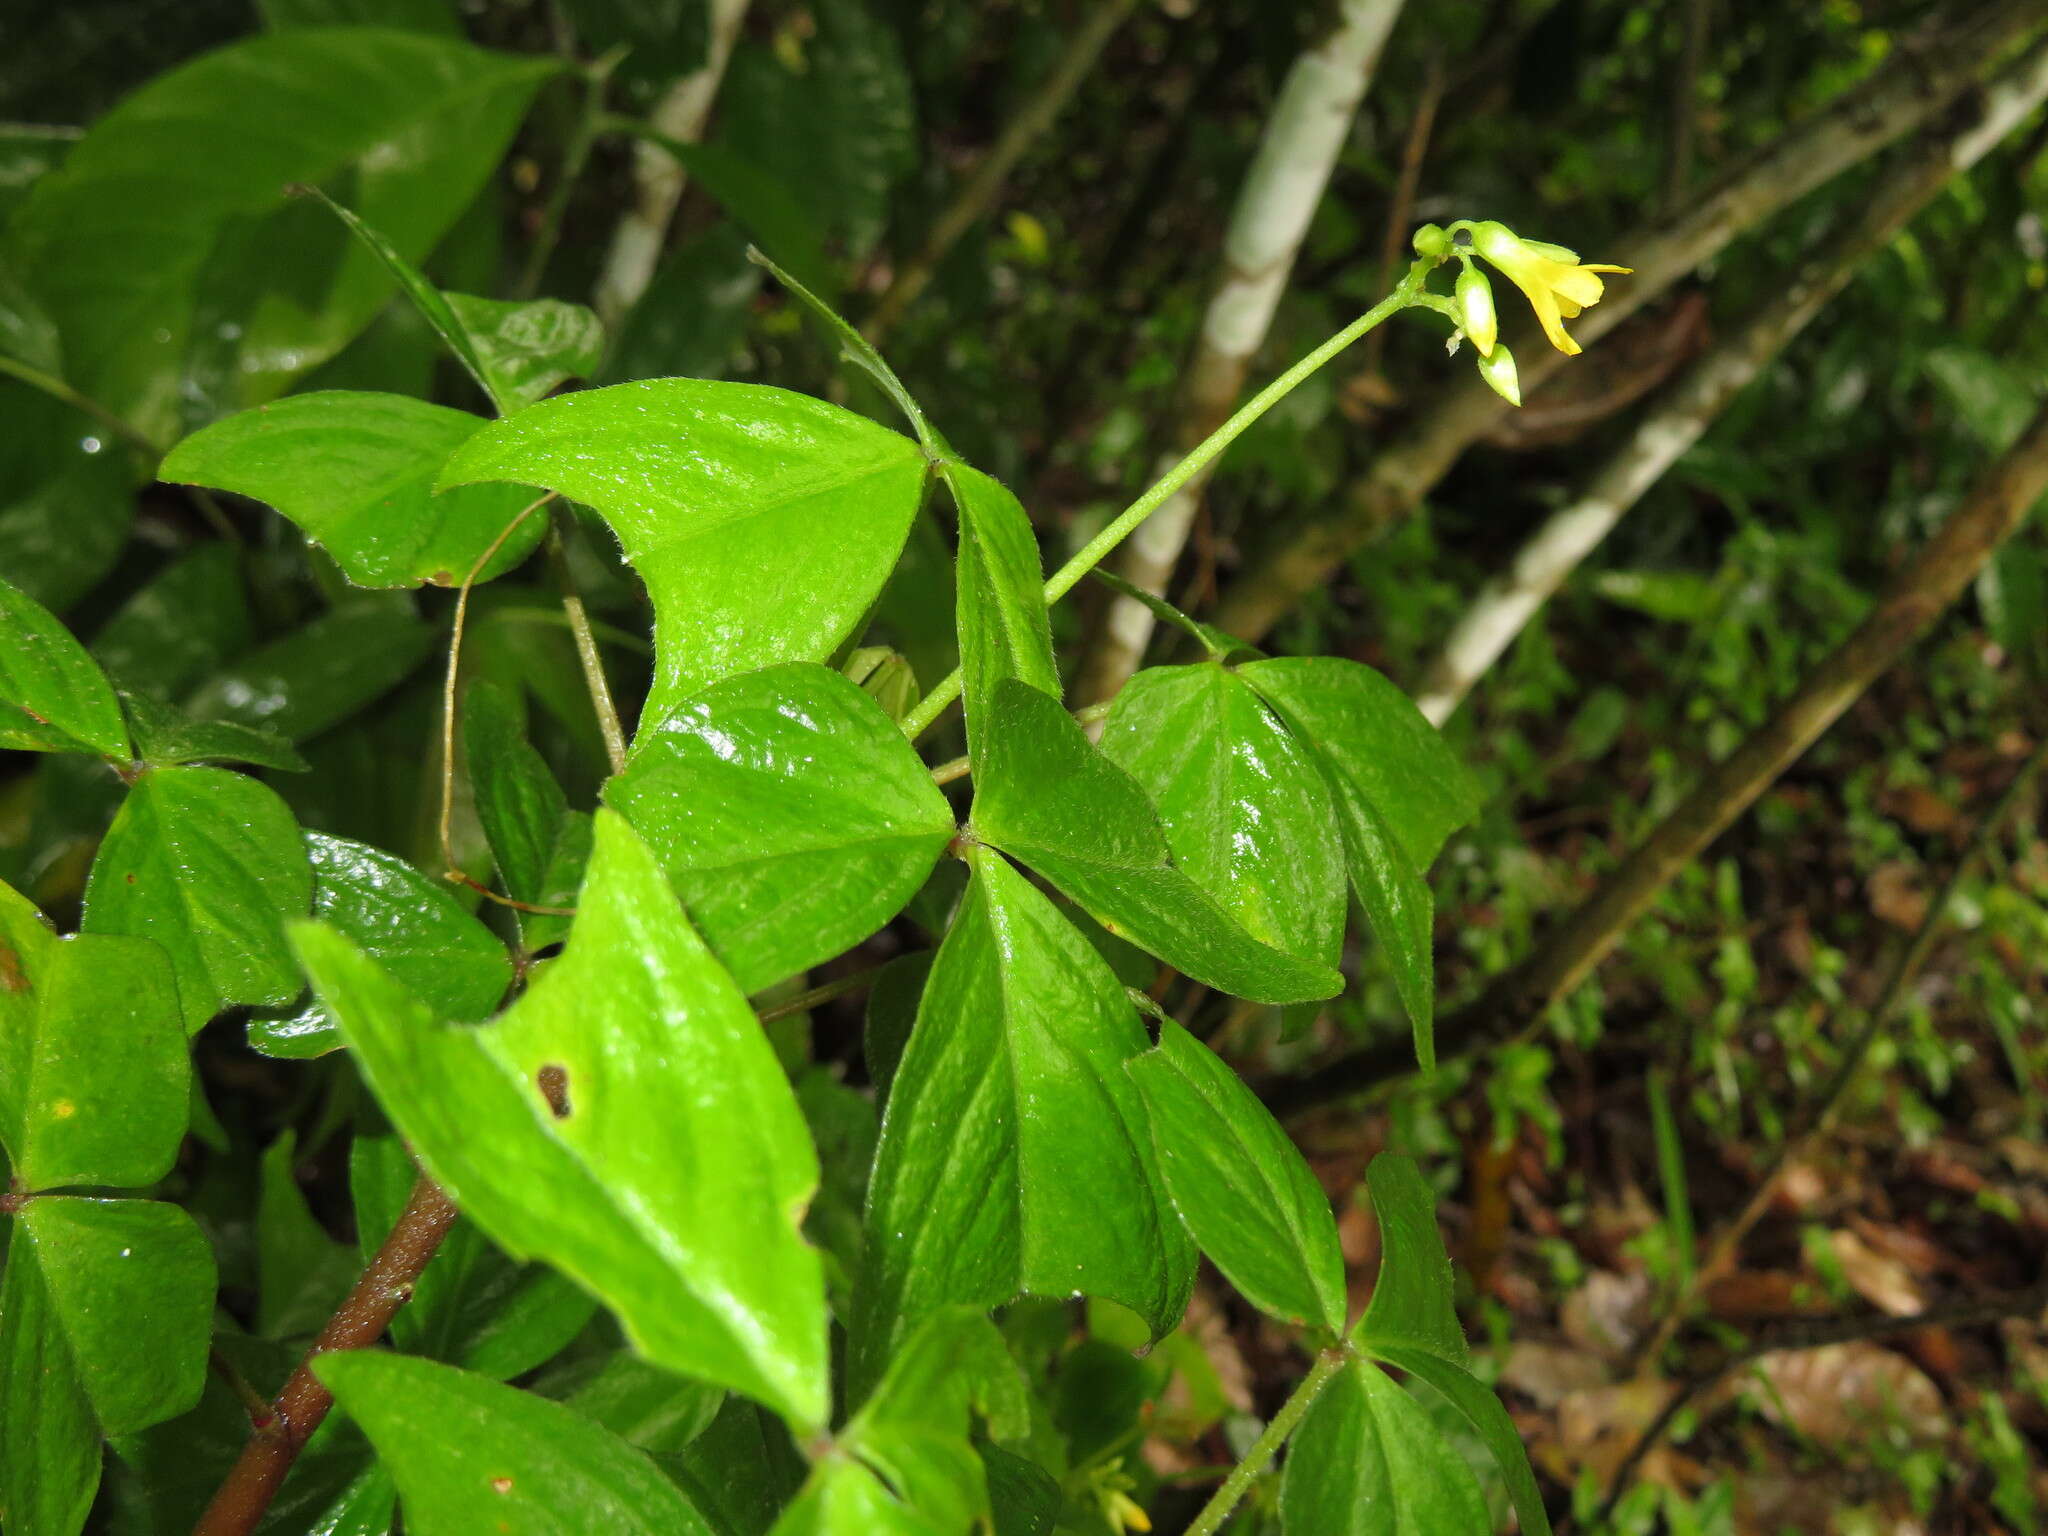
x=1557, y=285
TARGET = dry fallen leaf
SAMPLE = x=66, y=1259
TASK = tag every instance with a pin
x=1547, y=1373
x=1895, y=895
x=1879, y=1278
x=1597, y=1427
x=1842, y=1394
x=1607, y=1314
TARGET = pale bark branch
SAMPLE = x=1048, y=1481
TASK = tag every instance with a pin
x=658, y=177
x=1298, y=150
x=1690, y=406
x=1917, y=595
x=1926, y=72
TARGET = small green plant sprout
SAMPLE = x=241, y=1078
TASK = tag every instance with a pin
x=1557, y=284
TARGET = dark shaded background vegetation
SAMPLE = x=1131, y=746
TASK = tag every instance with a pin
x=1052, y=344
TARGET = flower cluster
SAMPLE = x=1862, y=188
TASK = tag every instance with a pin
x=1558, y=286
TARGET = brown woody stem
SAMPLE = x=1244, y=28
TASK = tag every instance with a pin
x=385, y=1285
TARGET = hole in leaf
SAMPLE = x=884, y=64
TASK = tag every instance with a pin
x=553, y=1082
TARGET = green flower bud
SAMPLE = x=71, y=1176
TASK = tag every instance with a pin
x=1476, y=316
x=1430, y=240
x=1498, y=369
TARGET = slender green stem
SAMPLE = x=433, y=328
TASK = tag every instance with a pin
x=1246, y=1472
x=1408, y=291
x=587, y=653
x=57, y=389
x=803, y=1002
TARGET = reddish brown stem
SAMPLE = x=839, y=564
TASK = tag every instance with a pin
x=385, y=1285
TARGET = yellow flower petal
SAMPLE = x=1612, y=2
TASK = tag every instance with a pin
x=1545, y=304
x=1578, y=284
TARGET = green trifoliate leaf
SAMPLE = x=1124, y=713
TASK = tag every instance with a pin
x=526, y=348
x=1244, y=808
x=1412, y=1324
x=470, y=1455
x=409, y=924
x=356, y=471
x=1244, y=1192
x=763, y=522
x=222, y=306
x=1368, y=1461
x=914, y=1430
x=1046, y=795
x=92, y=1051
x=209, y=865
x=127, y=1291
x=1414, y=1301
x=53, y=695
x=302, y=1274
x=517, y=799
x=27, y=945
x=1376, y=744
x=320, y=674
x=789, y=811
x=999, y=601
x=1484, y=1412
x=165, y=737
x=842, y=1497
x=626, y=1121
x=192, y=618
x=1014, y=1156
x=52, y=1465
x=1399, y=792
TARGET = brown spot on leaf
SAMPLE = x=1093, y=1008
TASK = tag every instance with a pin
x=553, y=1082
x=501, y=1485
x=12, y=977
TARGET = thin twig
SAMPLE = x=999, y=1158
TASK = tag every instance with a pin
x=450, y=869
x=978, y=194
x=385, y=1285
x=1820, y=1116
x=1401, y=212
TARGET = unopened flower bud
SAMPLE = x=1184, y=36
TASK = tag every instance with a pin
x=1476, y=315
x=1498, y=369
x=1430, y=240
